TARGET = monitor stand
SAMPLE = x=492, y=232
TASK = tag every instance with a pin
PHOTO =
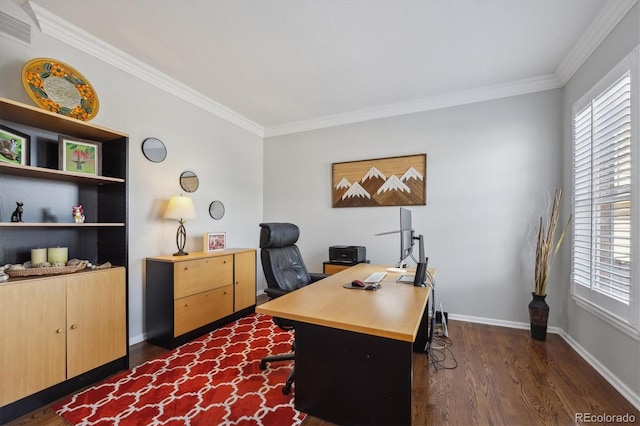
x=420, y=277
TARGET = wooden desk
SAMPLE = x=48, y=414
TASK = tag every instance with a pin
x=354, y=348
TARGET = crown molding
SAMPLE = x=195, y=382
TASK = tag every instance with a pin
x=64, y=31
x=610, y=15
x=537, y=84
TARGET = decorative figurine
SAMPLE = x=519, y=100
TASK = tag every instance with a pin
x=16, y=216
x=78, y=213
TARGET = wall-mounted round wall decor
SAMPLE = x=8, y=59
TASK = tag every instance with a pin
x=58, y=87
x=154, y=150
x=189, y=181
x=216, y=210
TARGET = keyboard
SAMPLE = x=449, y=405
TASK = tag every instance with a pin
x=375, y=277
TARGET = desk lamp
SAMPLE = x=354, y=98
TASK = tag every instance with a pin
x=180, y=208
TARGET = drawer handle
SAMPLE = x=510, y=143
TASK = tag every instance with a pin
x=74, y=326
x=58, y=331
x=186, y=268
x=186, y=305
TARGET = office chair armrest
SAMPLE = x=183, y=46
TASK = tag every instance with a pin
x=317, y=277
x=275, y=292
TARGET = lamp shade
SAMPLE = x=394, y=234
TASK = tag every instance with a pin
x=180, y=208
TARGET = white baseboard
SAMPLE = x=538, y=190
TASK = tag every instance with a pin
x=137, y=339
x=613, y=380
x=624, y=390
x=499, y=323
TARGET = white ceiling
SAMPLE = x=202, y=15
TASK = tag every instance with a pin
x=279, y=66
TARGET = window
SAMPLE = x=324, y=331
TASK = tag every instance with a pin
x=605, y=227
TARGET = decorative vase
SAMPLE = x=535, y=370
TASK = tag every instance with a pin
x=538, y=316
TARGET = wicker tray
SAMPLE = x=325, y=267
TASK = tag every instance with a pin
x=52, y=270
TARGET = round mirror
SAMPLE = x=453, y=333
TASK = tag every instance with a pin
x=216, y=210
x=154, y=150
x=189, y=181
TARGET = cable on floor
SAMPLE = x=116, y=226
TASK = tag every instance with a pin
x=440, y=355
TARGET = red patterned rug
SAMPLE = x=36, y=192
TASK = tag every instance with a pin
x=213, y=380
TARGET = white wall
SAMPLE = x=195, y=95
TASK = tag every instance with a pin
x=490, y=166
x=615, y=353
x=226, y=158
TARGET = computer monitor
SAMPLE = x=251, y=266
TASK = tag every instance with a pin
x=406, y=235
x=407, y=238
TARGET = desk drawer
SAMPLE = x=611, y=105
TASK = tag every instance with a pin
x=195, y=276
x=201, y=309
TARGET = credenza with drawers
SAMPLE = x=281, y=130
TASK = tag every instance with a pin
x=188, y=296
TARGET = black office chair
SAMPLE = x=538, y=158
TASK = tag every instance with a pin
x=284, y=272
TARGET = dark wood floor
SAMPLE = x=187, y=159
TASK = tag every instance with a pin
x=502, y=378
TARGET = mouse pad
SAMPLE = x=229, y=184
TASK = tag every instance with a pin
x=355, y=287
x=375, y=287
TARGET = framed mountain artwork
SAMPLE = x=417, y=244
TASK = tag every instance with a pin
x=393, y=181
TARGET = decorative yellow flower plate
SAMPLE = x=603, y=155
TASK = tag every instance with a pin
x=58, y=87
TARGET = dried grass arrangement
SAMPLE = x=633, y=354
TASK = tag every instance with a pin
x=546, y=247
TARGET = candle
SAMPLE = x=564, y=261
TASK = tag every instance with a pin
x=38, y=256
x=57, y=254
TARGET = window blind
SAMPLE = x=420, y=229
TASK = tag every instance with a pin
x=601, y=245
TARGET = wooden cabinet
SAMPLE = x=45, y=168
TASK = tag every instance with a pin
x=56, y=328
x=61, y=333
x=331, y=268
x=187, y=296
x=96, y=319
x=245, y=280
x=33, y=330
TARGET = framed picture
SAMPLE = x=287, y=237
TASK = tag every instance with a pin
x=14, y=146
x=215, y=241
x=393, y=181
x=80, y=156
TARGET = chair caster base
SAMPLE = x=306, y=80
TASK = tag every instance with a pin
x=287, y=385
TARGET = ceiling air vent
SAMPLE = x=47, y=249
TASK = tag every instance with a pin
x=15, y=28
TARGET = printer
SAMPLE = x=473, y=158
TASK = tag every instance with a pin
x=347, y=254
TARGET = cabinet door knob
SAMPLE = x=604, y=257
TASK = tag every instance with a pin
x=59, y=330
x=186, y=305
x=74, y=326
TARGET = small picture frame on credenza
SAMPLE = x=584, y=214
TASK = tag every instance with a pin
x=215, y=241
